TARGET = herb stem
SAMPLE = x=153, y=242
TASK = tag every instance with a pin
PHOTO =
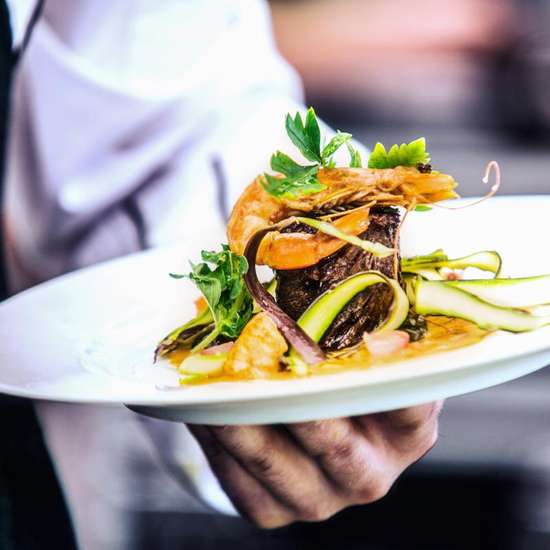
x=206, y=341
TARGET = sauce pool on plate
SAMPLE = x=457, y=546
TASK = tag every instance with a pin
x=443, y=334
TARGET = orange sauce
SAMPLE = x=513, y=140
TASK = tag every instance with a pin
x=443, y=334
x=176, y=357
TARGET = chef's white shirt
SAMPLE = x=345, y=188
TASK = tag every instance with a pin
x=123, y=107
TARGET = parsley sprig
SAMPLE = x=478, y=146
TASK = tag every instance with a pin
x=302, y=180
x=406, y=154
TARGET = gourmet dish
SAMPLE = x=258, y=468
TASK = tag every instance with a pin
x=340, y=295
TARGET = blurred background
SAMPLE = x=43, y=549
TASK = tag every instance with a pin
x=473, y=76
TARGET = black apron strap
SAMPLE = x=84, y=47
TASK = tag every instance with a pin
x=6, y=69
x=33, y=513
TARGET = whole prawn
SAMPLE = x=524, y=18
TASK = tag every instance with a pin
x=257, y=209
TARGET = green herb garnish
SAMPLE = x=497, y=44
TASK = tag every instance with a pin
x=406, y=154
x=301, y=180
x=298, y=181
x=307, y=137
x=355, y=157
x=220, y=278
x=333, y=145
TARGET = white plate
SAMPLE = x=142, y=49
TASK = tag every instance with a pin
x=89, y=336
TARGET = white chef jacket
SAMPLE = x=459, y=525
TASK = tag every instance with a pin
x=125, y=114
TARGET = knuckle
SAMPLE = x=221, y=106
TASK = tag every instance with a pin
x=428, y=418
x=373, y=490
x=414, y=425
x=341, y=453
x=424, y=442
x=314, y=428
x=424, y=416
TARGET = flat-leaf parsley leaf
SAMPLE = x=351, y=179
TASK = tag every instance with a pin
x=301, y=180
x=406, y=154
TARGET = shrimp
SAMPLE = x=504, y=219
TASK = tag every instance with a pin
x=299, y=250
x=257, y=209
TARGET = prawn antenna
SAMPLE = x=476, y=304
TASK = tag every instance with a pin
x=492, y=166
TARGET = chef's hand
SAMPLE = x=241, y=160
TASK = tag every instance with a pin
x=276, y=475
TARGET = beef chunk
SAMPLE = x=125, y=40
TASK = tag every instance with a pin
x=297, y=288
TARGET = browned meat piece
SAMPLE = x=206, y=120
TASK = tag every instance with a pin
x=296, y=289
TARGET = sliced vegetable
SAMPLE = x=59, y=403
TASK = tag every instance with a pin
x=488, y=260
x=522, y=292
x=410, y=284
x=183, y=337
x=202, y=364
x=430, y=274
x=376, y=249
x=321, y=313
x=435, y=256
x=442, y=298
x=187, y=379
